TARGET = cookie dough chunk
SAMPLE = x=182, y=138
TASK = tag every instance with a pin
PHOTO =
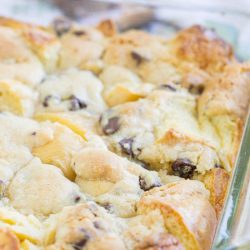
x=16, y=60
x=163, y=130
x=60, y=149
x=122, y=85
x=86, y=226
x=42, y=189
x=81, y=47
x=225, y=102
x=71, y=91
x=39, y=39
x=186, y=211
x=144, y=54
x=202, y=48
x=17, y=137
x=113, y=181
x=82, y=123
x=17, y=98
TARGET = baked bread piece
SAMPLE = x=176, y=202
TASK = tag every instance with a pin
x=177, y=203
x=86, y=226
x=17, y=98
x=112, y=181
x=55, y=191
x=174, y=133
x=42, y=41
x=17, y=61
x=81, y=47
x=117, y=122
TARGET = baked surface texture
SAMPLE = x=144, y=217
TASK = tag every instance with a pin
x=115, y=140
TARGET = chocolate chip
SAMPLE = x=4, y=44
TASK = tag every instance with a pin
x=77, y=199
x=144, y=186
x=196, y=89
x=33, y=133
x=107, y=206
x=112, y=126
x=98, y=225
x=183, y=168
x=138, y=57
x=76, y=103
x=47, y=100
x=81, y=243
x=61, y=26
x=127, y=146
x=167, y=86
x=43, y=80
x=79, y=33
x=217, y=165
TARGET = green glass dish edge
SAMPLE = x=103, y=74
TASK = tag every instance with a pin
x=231, y=206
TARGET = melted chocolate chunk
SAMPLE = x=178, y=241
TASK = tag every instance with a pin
x=138, y=57
x=47, y=100
x=61, y=26
x=196, y=90
x=167, y=86
x=107, y=206
x=83, y=240
x=33, y=133
x=76, y=103
x=112, y=126
x=98, y=225
x=81, y=243
x=79, y=33
x=77, y=199
x=183, y=168
x=144, y=186
x=127, y=146
x=217, y=165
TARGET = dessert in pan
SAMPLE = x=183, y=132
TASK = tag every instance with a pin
x=115, y=140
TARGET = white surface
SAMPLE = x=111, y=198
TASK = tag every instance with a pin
x=34, y=11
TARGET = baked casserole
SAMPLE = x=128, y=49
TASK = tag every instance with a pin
x=115, y=140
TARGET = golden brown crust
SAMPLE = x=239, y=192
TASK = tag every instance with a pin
x=216, y=181
x=133, y=49
x=40, y=39
x=202, y=48
x=16, y=60
x=187, y=212
x=227, y=93
x=8, y=240
x=82, y=47
x=107, y=27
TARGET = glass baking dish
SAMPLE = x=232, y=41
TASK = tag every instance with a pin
x=231, y=21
